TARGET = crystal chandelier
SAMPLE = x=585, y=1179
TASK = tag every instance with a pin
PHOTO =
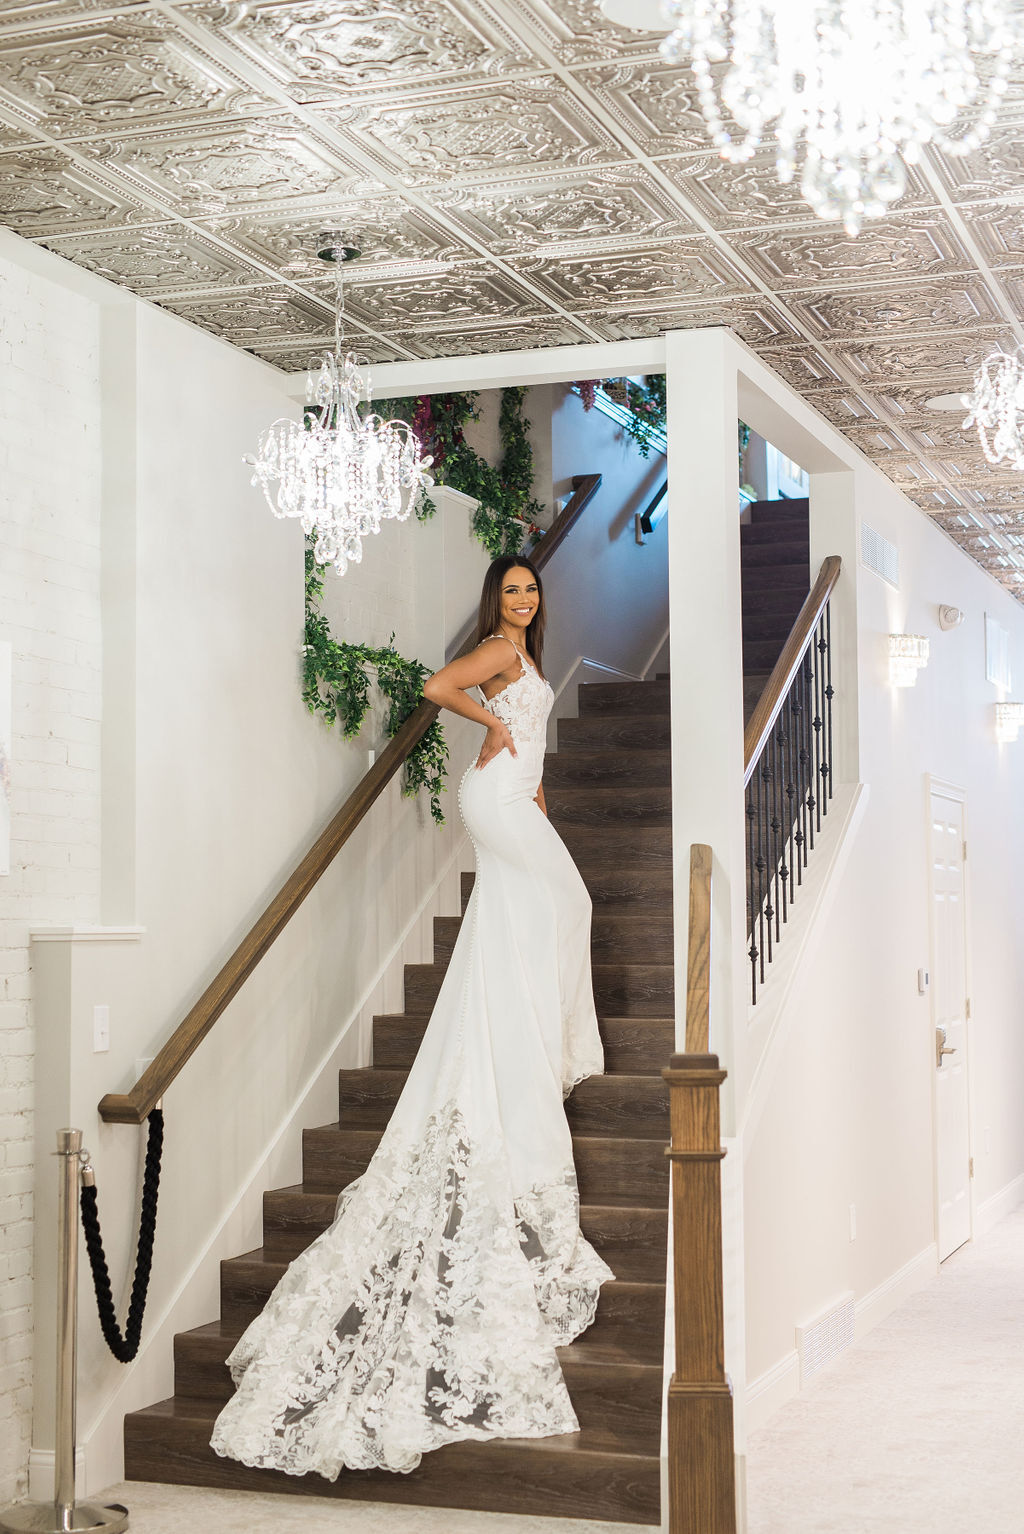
x=855, y=87
x=996, y=408
x=341, y=473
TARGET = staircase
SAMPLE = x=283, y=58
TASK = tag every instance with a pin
x=608, y=793
x=775, y=576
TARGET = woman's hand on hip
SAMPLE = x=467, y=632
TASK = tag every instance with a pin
x=497, y=739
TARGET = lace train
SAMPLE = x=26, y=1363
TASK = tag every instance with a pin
x=438, y=1318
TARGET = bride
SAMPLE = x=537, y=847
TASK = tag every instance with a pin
x=430, y=1310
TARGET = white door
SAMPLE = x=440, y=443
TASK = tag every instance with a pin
x=949, y=1019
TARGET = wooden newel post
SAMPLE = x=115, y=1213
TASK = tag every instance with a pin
x=702, y=1496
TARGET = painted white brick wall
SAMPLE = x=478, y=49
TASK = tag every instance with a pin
x=50, y=612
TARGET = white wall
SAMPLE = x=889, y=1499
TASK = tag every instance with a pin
x=215, y=780
x=848, y=1119
x=50, y=613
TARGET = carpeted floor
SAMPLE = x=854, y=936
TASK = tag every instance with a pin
x=919, y=1428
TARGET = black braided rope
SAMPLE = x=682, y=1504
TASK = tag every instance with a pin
x=125, y=1347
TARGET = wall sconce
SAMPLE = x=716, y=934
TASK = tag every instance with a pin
x=1009, y=718
x=908, y=654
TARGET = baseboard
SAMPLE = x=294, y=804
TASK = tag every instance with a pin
x=997, y=1206
x=42, y=1474
x=770, y=1391
x=887, y=1296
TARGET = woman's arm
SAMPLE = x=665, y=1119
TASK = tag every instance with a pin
x=447, y=688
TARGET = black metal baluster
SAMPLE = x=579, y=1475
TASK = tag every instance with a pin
x=752, y=951
x=769, y=911
x=780, y=767
x=800, y=763
x=778, y=896
x=791, y=789
x=816, y=658
x=829, y=695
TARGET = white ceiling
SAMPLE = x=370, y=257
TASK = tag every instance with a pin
x=520, y=173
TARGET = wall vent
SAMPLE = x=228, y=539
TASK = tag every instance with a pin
x=878, y=554
x=823, y=1339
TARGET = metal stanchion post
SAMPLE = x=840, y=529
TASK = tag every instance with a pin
x=63, y=1515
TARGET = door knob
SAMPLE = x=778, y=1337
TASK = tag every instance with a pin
x=941, y=1047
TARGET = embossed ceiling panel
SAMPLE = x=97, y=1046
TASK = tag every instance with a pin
x=519, y=173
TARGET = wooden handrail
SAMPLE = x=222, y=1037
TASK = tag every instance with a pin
x=701, y=1466
x=777, y=687
x=133, y=1107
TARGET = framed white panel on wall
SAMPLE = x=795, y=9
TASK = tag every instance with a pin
x=997, y=653
x=6, y=733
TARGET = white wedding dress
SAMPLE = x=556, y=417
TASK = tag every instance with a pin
x=431, y=1308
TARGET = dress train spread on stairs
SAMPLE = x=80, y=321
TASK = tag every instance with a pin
x=430, y=1310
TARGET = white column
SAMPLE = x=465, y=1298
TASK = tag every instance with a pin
x=706, y=650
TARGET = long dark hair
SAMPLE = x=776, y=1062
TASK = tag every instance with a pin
x=489, y=618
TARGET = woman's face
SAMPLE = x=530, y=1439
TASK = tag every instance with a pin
x=520, y=597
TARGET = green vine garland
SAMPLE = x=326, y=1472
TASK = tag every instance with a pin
x=507, y=510
x=336, y=685
x=647, y=405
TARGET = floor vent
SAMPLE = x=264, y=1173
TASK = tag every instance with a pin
x=825, y=1338
x=878, y=554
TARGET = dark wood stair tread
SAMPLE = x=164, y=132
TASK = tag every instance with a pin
x=564, y=1476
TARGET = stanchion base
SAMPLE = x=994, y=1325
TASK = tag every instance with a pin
x=46, y=1518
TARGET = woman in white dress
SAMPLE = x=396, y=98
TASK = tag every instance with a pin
x=430, y=1310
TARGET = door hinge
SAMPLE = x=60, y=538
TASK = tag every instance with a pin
x=970, y=1167
x=967, y=1007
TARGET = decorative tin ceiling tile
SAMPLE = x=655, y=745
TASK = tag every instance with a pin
x=878, y=312
x=166, y=258
x=577, y=32
x=913, y=246
x=90, y=77
x=526, y=122
x=550, y=331
x=750, y=195
x=390, y=235
x=844, y=406
x=254, y=317
x=666, y=274
x=992, y=173
x=803, y=366
x=754, y=322
x=13, y=136
x=561, y=212
x=44, y=192
x=654, y=103
x=219, y=167
x=301, y=356
x=950, y=359
x=999, y=231
x=459, y=299
x=333, y=48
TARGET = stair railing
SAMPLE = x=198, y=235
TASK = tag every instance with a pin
x=134, y=1106
x=701, y=1465
x=788, y=762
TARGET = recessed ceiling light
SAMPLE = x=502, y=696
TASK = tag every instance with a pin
x=946, y=402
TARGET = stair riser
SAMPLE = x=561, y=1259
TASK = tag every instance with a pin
x=618, y=1405
x=788, y=600
x=619, y=990
x=791, y=556
x=594, y=733
x=572, y=768
x=764, y=626
x=611, y=938
x=608, y=1171
x=631, y=1241
x=631, y=1317
x=790, y=531
x=633, y=1108
x=628, y=804
x=632, y=1046
x=624, y=698
x=761, y=654
x=620, y=1487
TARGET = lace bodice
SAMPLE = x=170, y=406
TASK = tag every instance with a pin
x=524, y=705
